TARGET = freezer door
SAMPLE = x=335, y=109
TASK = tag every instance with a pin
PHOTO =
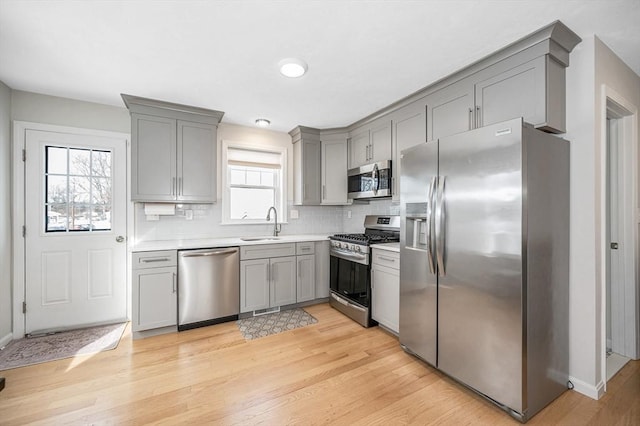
x=480, y=315
x=418, y=282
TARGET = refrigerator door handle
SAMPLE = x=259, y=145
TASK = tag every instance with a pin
x=429, y=222
x=440, y=225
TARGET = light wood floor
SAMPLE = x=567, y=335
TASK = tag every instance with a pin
x=332, y=372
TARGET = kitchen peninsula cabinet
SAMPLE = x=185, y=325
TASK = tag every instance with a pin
x=173, y=151
x=155, y=299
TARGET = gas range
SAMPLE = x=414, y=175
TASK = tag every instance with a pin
x=350, y=270
x=355, y=247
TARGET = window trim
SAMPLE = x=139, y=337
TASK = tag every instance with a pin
x=281, y=189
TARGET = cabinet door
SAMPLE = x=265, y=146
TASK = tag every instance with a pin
x=410, y=130
x=254, y=285
x=450, y=110
x=380, y=145
x=153, y=158
x=322, y=269
x=359, y=148
x=154, y=301
x=197, y=151
x=309, y=177
x=306, y=282
x=385, y=296
x=517, y=92
x=283, y=281
x=334, y=172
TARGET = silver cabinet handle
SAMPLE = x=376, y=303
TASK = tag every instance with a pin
x=371, y=151
x=470, y=118
x=155, y=259
x=430, y=244
x=440, y=225
x=180, y=189
x=173, y=186
x=388, y=259
x=209, y=253
x=478, y=117
x=367, y=159
x=174, y=282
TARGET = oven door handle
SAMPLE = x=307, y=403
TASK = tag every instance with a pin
x=349, y=254
x=346, y=303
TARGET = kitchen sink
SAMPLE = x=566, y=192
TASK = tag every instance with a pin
x=259, y=238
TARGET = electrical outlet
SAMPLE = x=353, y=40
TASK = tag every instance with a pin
x=293, y=214
x=188, y=214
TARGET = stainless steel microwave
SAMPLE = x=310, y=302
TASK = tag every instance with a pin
x=369, y=181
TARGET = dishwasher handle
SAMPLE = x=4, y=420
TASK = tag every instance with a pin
x=210, y=253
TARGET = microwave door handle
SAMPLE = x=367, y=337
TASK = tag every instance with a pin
x=375, y=175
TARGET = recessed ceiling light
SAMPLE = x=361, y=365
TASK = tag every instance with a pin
x=262, y=122
x=292, y=67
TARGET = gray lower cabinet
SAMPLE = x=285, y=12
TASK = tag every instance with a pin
x=267, y=276
x=306, y=271
x=154, y=301
x=173, y=151
x=385, y=288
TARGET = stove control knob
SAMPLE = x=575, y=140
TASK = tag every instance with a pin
x=345, y=246
x=356, y=249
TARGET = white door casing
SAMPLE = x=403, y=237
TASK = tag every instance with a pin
x=73, y=278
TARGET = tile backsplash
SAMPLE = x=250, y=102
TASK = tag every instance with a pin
x=207, y=217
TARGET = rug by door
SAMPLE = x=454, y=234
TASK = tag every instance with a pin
x=265, y=325
x=67, y=344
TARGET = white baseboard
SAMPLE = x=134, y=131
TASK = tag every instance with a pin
x=593, y=392
x=4, y=340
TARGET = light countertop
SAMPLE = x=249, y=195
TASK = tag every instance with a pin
x=221, y=242
x=394, y=247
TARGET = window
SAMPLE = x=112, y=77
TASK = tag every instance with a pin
x=254, y=181
x=78, y=195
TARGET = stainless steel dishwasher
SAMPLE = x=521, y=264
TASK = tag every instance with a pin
x=208, y=286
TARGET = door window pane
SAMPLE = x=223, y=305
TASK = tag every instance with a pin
x=78, y=189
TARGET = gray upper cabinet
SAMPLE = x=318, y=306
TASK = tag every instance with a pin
x=173, y=151
x=334, y=170
x=306, y=166
x=409, y=129
x=450, y=110
x=370, y=143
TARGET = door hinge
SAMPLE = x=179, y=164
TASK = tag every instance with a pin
x=24, y=307
x=24, y=155
x=24, y=231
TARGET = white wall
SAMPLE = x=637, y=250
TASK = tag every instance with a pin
x=27, y=106
x=5, y=215
x=592, y=64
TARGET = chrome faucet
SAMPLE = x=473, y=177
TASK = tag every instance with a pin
x=276, y=228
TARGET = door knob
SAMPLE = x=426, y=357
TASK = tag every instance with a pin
x=119, y=238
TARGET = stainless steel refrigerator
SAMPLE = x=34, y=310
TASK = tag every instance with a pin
x=484, y=261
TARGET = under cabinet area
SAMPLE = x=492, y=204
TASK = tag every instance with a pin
x=173, y=151
x=385, y=288
x=154, y=301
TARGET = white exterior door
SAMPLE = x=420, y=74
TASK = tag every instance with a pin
x=75, y=241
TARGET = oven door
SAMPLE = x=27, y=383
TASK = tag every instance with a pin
x=350, y=280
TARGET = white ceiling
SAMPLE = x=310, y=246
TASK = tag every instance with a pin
x=362, y=55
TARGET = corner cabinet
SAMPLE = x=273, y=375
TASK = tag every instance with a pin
x=333, y=163
x=307, y=173
x=173, y=151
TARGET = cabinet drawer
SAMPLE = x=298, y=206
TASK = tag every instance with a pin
x=305, y=248
x=154, y=259
x=386, y=258
x=263, y=251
